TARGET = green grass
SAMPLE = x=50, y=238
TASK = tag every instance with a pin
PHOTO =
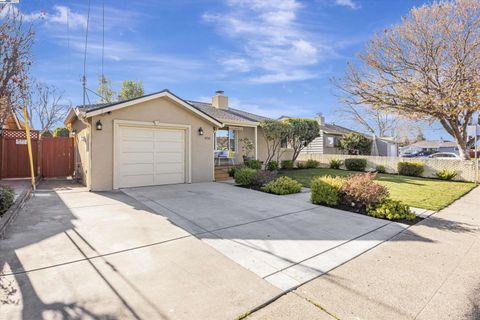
x=424, y=193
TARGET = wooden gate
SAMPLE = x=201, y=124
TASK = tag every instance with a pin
x=57, y=157
x=14, y=157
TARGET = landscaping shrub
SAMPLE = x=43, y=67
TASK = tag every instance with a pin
x=380, y=168
x=272, y=165
x=264, y=177
x=6, y=199
x=326, y=190
x=414, y=169
x=245, y=176
x=356, y=164
x=301, y=165
x=446, y=174
x=283, y=185
x=361, y=192
x=335, y=163
x=253, y=164
x=287, y=164
x=61, y=132
x=231, y=171
x=310, y=164
x=391, y=210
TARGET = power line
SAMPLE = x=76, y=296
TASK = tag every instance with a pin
x=84, y=79
x=103, y=35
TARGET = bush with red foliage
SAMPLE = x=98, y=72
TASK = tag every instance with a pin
x=361, y=192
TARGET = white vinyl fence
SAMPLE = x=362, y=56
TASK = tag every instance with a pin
x=465, y=168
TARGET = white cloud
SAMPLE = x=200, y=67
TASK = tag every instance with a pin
x=274, y=46
x=348, y=3
x=61, y=15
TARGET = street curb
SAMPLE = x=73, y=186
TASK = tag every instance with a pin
x=12, y=212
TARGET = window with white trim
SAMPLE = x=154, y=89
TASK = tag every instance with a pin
x=225, y=139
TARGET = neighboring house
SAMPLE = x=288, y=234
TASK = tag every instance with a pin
x=13, y=123
x=431, y=146
x=159, y=139
x=330, y=135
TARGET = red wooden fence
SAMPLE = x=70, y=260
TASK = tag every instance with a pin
x=52, y=157
x=57, y=157
x=15, y=162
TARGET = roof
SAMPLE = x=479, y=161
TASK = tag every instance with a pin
x=335, y=129
x=227, y=115
x=434, y=144
x=99, y=108
x=220, y=116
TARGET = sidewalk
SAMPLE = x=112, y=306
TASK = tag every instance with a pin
x=429, y=271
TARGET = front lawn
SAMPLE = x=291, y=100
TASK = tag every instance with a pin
x=424, y=193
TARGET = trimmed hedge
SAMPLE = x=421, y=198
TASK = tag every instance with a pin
x=283, y=185
x=245, y=176
x=391, y=210
x=287, y=164
x=272, y=165
x=301, y=165
x=380, y=168
x=414, y=169
x=326, y=190
x=6, y=199
x=253, y=164
x=356, y=164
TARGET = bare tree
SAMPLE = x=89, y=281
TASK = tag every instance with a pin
x=16, y=40
x=47, y=107
x=425, y=68
x=372, y=120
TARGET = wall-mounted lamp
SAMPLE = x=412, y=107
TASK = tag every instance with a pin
x=99, y=125
x=74, y=132
x=200, y=131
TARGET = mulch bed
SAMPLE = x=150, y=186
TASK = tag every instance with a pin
x=359, y=211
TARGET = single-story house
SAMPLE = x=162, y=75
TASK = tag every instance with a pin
x=330, y=135
x=160, y=138
x=431, y=146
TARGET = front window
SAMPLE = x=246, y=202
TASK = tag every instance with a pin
x=225, y=139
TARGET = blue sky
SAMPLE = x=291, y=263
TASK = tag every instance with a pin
x=270, y=57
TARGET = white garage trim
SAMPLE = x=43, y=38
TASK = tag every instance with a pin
x=154, y=125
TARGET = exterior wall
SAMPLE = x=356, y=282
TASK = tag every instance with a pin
x=165, y=111
x=316, y=146
x=464, y=168
x=82, y=138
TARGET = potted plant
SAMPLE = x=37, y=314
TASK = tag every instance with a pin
x=247, y=148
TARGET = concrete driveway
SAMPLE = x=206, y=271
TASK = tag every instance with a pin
x=74, y=254
x=283, y=239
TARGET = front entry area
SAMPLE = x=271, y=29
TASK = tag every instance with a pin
x=147, y=155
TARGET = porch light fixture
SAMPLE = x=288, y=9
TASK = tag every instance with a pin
x=200, y=131
x=99, y=125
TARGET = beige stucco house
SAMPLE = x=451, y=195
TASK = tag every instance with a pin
x=160, y=139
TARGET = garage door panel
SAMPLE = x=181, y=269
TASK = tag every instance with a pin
x=150, y=156
x=169, y=168
x=169, y=178
x=136, y=169
x=137, y=180
x=137, y=157
x=169, y=135
x=168, y=146
x=169, y=157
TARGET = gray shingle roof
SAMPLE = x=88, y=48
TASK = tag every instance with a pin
x=434, y=144
x=222, y=115
x=335, y=129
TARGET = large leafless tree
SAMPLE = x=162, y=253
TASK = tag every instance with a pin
x=425, y=68
x=372, y=120
x=16, y=40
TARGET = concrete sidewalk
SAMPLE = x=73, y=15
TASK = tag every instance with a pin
x=429, y=271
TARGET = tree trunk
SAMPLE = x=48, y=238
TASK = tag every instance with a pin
x=462, y=149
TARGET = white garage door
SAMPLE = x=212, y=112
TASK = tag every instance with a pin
x=148, y=156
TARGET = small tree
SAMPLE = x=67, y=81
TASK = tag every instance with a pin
x=356, y=144
x=61, y=132
x=275, y=132
x=302, y=132
x=247, y=147
x=105, y=90
x=130, y=89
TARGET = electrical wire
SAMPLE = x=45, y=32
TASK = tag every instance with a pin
x=85, y=55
